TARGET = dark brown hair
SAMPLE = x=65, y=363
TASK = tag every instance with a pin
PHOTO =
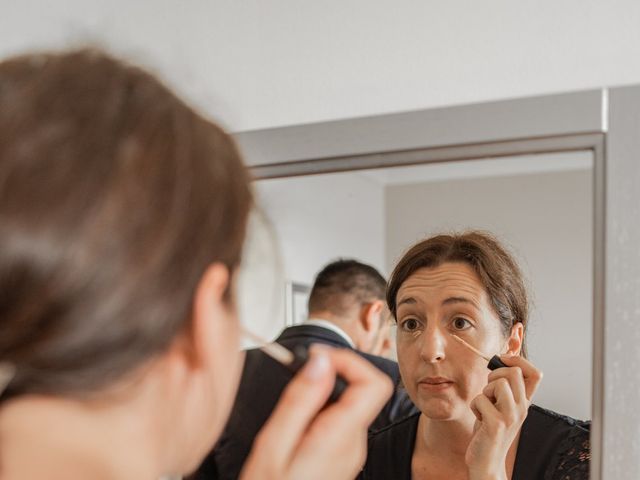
x=342, y=282
x=115, y=196
x=497, y=270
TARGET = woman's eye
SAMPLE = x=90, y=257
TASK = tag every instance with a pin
x=410, y=324
x=460, y=323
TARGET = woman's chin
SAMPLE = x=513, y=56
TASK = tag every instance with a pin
x=439, y=409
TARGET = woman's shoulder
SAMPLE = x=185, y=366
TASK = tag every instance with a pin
x=557, y=419
x=390, y=450
x=554, y=445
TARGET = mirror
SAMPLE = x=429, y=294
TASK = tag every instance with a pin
x=540, y=206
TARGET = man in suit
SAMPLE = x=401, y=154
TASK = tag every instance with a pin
x=346, y=310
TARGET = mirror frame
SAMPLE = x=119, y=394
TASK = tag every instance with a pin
x=605, y=122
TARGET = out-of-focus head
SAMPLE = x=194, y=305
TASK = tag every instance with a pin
x=351, y=294
x=122, y=221
x=466, y=285
x=383, y=344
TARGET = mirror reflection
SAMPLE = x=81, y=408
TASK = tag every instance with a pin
x=539, y=207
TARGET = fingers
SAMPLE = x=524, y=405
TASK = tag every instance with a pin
x=368, y=390
x=342, y=426
x=515, y=379
x=475, y=410
x=499, y=393
x=484, y=410
x=298, y=426
x=300, y=402
x=508, y=392
x=531, y=375
x=500, y=412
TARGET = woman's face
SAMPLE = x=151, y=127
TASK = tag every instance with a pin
x=441, y=375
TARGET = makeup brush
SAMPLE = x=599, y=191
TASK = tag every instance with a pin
x=293, y=361
x=493, y=362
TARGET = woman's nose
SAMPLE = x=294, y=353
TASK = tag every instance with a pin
x=433, y=346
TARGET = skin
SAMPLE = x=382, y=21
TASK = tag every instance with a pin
x=165, y=416
x=382, y=345
x=363, y=323
x=471, y=417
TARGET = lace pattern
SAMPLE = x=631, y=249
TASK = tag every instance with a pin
x=573, y=457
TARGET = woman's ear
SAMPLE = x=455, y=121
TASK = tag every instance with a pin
x=515, y=340
x=210, y=305
x=206, y=363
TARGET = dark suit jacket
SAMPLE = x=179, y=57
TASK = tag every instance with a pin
x=263, y=380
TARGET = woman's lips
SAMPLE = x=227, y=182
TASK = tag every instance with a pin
x=434, y=384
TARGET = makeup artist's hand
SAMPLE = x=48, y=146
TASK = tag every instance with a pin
x=500, y=412
x=302, y=440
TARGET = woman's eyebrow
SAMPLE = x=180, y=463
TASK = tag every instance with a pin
x=407, y=300
x=451, y=300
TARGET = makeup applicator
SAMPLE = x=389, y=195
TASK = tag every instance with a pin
x=493, y=362
x=293, y=360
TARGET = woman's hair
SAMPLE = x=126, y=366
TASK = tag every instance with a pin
x=495, y=267
x=115, y=196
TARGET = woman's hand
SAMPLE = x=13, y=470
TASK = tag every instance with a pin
x=302, y=440
x=500, y=411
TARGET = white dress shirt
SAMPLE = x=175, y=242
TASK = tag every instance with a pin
x=319, y=322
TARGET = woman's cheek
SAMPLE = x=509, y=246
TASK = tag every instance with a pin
x=476, y=380
x=408, y=358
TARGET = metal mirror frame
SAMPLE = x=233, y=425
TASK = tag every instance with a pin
x=604, y=121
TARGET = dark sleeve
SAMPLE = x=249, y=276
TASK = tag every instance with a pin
x=207, y=471
x=389, y=451
x=399, y=405
x=397, y=408
x=574, y=455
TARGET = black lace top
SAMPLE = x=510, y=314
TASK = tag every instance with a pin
x=551, y=447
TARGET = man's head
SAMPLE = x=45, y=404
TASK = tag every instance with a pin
x=352, y=295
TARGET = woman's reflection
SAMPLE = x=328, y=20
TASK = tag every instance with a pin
x=474, y=423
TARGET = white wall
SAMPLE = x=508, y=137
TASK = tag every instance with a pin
x=546, y=219
x=317, y=219
x=258, y=64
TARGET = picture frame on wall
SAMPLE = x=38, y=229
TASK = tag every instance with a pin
x=296, y=301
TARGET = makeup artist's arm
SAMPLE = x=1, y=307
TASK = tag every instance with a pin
x=500, y=411
x=301, y=441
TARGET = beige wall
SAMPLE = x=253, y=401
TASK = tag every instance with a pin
x=547, y=221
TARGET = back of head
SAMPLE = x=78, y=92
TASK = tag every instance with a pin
x=115, y=196
x=343, y=284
